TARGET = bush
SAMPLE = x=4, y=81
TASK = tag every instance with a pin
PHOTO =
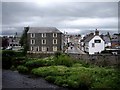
x=50, y=71
x=57, y=54
x=38, y=63
x=22, y=69
x=19, y=61
x=50, y=79
x=8, y=53
x=64, y=60
x=61, y=81
x=8, y=57
x=6, y=62
x=13, y=67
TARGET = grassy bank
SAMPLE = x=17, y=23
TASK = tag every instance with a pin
x=64, y=71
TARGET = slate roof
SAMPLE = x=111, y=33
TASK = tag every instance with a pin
x=106, y=39
x=43, y=30
x=89, y=38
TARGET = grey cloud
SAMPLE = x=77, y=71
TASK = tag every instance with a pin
x=20, y=14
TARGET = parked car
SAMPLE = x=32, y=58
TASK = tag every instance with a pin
x=9, y=48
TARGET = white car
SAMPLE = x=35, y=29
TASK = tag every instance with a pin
x=9, y=48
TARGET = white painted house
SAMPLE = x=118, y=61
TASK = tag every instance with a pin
x=94, y=43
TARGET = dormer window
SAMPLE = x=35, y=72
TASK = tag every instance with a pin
x=97, y=41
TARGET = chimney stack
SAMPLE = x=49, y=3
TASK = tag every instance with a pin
x=96, y=32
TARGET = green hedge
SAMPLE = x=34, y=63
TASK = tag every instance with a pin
x=10, y=58
x=22, y=69
x=19, y=61
x=7, y=57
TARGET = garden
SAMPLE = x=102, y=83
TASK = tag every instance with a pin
x=63, y=70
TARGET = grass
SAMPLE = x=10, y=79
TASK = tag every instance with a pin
x=64, y=71
x=78, y=77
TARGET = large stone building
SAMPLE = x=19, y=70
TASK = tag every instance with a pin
x=44, y=39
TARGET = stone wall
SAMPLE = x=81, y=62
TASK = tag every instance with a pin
x=39, y=55
x=102, y=59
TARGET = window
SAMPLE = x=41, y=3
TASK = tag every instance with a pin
x=97, y=41
x=54, y=34
x=93, y=44
x=31, y=49
x=32, y=41
x=37, y=48
x=32, y=35
x=54, y=41
x=54, y=48
x=44, y=48
x=43, y=41
x=43, y=34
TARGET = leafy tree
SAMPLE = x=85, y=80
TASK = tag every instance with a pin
x=23, y=40
x=5, y=42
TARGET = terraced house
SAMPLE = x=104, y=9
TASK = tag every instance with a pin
x=44, y=39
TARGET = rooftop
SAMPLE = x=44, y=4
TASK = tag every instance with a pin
x=43, y=30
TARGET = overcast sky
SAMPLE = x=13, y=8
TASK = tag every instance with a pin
x=72, y=17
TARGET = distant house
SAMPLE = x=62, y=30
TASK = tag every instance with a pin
x=44, y=39
x=14, y=42
x=10, y=42
x=115, y=40
x=107, y=40
x=93, y=43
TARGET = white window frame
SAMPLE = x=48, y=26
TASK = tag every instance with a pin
x=32, y=35
x=43, y=34
x=43, y=48
x=54, y=34
x=54, y=48
x=32, y=48
x=54, y=40
x=42, y=41
x=32, y=41
x=37, y=48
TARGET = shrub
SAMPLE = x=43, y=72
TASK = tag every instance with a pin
x=22, y=69
x=7, y=57
x=13, y=67
x=72, y=84
x=19, y=61
x=57, y=54
x=64, y=60
x=19, y=54
x=49, y=71
x=8, y=53
x=50, y=79
x=6, y=62
x=39, y=63
x=61, y=81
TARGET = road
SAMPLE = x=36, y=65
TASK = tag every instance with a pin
x=11, y=79
x=74, y=50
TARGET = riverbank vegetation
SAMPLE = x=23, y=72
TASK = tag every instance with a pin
x=64, y=71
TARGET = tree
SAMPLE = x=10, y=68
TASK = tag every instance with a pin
x=5, y=42
x=23, y=40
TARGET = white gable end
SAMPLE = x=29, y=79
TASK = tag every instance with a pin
x=96, y=44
